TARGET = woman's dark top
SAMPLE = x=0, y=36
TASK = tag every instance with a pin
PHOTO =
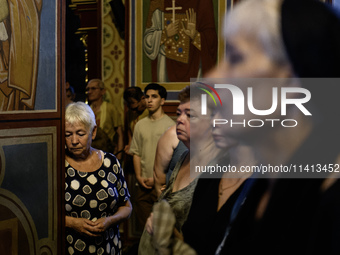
x=299, y=218
x=205, y=227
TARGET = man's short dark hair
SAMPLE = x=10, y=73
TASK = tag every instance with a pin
x=154, y=86
x=133, y=92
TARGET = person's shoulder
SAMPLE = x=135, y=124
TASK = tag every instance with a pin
x=108, y=155
x=169, y=136
x=109, y=105
x=168, y=119
x=170, y=133
x=110, y=159
x=141, y=125
x=142, y=121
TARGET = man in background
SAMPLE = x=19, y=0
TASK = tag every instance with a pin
x=110, y=132
x=143, y=147
x=135, y=101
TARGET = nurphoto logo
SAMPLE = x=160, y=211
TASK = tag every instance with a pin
x=238, y=98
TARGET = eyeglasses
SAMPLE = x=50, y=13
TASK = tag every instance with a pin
x=92, y=88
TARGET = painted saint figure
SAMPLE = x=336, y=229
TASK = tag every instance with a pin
x=19, y=53
x=180, y=38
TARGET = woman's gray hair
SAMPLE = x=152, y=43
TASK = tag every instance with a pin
x=258, y=20
x=99, y=81
x=80, y=112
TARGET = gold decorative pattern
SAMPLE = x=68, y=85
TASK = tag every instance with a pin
x=114, y=57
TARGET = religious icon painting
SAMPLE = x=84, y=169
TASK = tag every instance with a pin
x=173, y=41
x=28, y=56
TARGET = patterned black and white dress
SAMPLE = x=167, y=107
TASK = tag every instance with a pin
x=93, y=195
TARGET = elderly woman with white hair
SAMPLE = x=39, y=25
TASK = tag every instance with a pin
x=96, y=194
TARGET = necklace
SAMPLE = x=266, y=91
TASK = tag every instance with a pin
x=222, y=189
